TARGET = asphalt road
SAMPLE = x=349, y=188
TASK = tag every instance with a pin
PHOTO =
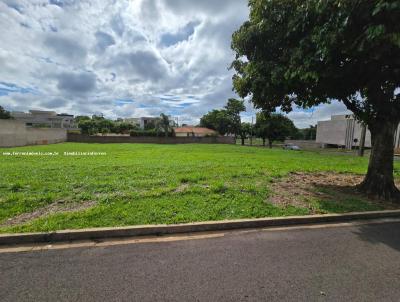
x=351, y=263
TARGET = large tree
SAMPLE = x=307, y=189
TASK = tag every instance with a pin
x=245, y=131
x=217, y=120
x=233, y=109
x=227, y=120
x=274, y=127
x=307, y=52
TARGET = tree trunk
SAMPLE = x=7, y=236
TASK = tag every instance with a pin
x=361, y=147
x=263, y=141
x=379, y=181
x=242, y=141
x=270, y=143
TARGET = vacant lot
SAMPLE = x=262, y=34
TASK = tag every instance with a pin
x=151, y=184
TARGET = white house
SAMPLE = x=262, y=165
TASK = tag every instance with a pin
x=345, y=131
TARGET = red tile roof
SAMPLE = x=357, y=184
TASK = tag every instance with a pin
x=196, y=130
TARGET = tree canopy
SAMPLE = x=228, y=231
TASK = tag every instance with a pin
x=217, y=120
x=274, y=127
x=307, y=52
x=227, y=120
x=99, y=124
x=233, y=109
x=164, y=125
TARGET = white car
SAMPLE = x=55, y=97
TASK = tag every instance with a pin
x=291, y=147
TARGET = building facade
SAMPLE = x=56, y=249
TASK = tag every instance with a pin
x=344, y=131
x=45, y=119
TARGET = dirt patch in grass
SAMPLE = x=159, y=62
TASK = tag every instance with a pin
x=324, y=193
x=60, y=206
x=181, y=188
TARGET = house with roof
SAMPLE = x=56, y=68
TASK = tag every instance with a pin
x=46, y=119
x=191, y=131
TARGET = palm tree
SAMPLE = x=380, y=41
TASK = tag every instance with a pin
x=164, y=124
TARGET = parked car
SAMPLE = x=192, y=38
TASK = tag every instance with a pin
x=291, y=147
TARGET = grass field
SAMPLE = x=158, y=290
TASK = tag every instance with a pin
x=152, y=184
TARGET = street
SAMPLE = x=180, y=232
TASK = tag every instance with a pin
x=324, y=263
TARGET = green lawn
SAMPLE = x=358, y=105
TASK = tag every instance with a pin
x=156, y=184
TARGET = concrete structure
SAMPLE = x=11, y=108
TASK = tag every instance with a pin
x=345, y=131
x=144, y=121
x=42, y=119
x=133, y=121
x=15, y=133
x=191, y=131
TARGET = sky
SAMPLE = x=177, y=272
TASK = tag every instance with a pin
x=124, y=58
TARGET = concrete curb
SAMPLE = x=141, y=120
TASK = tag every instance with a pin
x=156, y=230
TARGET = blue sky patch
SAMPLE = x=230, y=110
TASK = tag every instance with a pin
x=59, y=3
x=121, y=102
x=7, y=88
x=16, y=7
x=183, y=34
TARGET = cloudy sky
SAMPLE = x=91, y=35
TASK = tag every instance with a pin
x=123, y=58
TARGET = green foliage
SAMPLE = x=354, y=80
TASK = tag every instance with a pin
x=274, y=127
x=4, y=114
x=234, y=108
x=98, y=124
x=81, y=118
x=150, y=133
x=227, y=120
x=151, y=125
x=245, y=131
x=164, y=125
x=217, y=120
x=123, y=128
x=88, y=127
x=307, y=52
x=307, y=133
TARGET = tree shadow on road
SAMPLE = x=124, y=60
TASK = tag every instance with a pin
x=387, y=234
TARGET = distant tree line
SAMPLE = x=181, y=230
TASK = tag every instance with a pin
x=99, y=124
x=268, y=126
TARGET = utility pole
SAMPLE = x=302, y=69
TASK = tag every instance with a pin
x=361, y=147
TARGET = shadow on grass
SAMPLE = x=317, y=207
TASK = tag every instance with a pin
x=341, y=199
x=323, y=193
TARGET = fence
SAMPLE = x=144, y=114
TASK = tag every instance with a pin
x=81, y=138
x=304, y=144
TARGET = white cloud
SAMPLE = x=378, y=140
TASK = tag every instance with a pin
x=83, y=56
